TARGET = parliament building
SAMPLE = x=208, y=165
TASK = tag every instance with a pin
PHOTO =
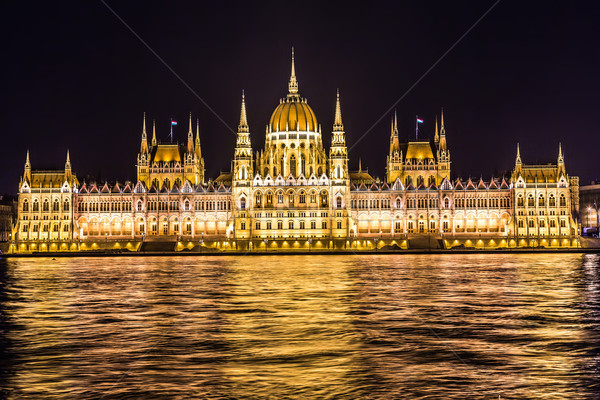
x=294, y=195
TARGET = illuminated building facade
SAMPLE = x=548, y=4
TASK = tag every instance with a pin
x=294, y=195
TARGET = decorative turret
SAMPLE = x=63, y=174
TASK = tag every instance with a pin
x=436, y=138
x=242, y=159
x=144, y=144
x=338, y=153
x=394, y=159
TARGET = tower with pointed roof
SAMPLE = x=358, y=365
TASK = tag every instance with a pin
x=394, y=167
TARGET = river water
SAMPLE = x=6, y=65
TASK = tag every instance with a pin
x=341, y=327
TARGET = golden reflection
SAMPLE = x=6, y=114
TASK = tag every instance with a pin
x=379, y=326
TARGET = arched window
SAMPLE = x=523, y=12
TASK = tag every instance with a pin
x=302, y=198
x=552, y=201
x=431, y=180
x=398, y=203
x=257, y=199
x=338, y=172
x=541, y=201
x=324, y=199
x=186, y=205
x=243, y=203
x=66, y=205
x=155, y=183
x=178, y=182
x=520, y=201
x=293, y=164
x=139, y=205
x=407, y=181
x=46, y=206
x=320, y=171
x=36, y=205
x=530, y=201
x=338, y=202
x=266, y=171
x=55, y=205
x=167, y=183
x=291, y=224
x=419, y=180
x=446, y=203
x=25, y=205
x=563, y=200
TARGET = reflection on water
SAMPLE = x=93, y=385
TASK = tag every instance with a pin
x=401, y=326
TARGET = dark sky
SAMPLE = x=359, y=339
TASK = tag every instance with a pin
x=74, y=77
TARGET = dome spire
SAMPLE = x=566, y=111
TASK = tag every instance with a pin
x=293, y=85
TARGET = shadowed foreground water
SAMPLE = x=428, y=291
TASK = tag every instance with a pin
x=442, y=326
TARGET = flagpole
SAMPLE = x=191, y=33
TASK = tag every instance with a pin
x=417, y=128
x=171, y=134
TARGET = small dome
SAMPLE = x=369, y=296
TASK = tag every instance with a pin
x=293, y=114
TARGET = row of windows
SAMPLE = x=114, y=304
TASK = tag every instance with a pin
x=541, y=201
x=119, y=206
x=45, y=228
x=291, y=225
x=45, y=205
x=541, y=223
x=266, y=200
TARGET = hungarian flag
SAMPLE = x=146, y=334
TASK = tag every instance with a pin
x=173, y=122
x=419, y=121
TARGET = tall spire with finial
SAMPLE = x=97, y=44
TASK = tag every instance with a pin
x=243, y=126
x=337, y=124
x=293, y=85
x=436, y=138
x=190, y=142
x=518, y=160
x=68, y=167
x=197, y=146
x=27, y=173
x=153, y=133
x=144, y=144
x=359, y=165
x=561, y=158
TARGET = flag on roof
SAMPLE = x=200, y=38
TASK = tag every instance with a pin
x=419, y=120
x=173, y=122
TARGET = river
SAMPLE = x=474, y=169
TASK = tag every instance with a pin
x=522, y=326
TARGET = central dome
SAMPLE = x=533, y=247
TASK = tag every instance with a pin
x=293, y=114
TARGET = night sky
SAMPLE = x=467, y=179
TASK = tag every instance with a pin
x=74, y=77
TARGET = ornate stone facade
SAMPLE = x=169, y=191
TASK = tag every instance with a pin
x=292, y=194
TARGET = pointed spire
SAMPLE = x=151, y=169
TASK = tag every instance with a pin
x=153, y=133
x=518, y=160
x=27, y=174
x=442, y=118
x=437, y=136
x=197, y=132
x=359, y=165
x=144, y=127
x=144, y=144
x=68, y=160
x=293, y=85
x=243, y=126
x=338, y=126
x=338, y=110
x=561, y=158
x=190, y=143
x=395, y=122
